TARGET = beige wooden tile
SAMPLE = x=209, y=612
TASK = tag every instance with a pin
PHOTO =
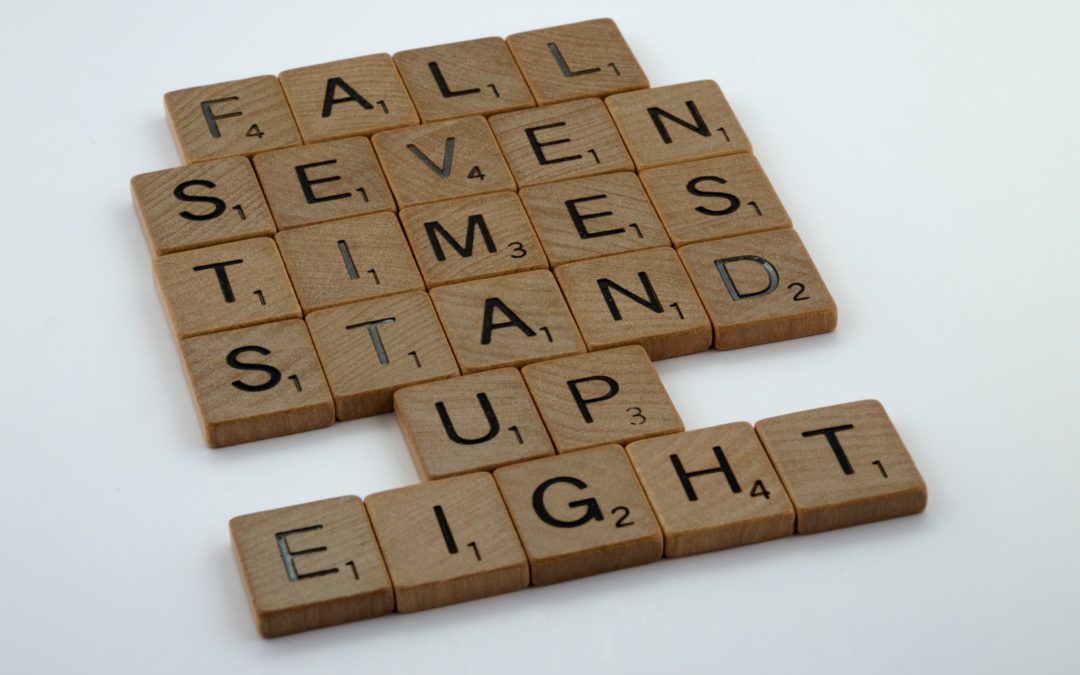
x=580, y=514
x=257, y=382
x=576, y=60
x=225, y=286
x=448, y=541
x=472, y=238
x=201, y=205
x=507, y=321
x=241, y=117
x=311, y=565
x=712, y=488
x=373, y=347
x=351, y=97
x=556, y=142
x=323, y=181
x=714, y=198
x=346, y=260
x=475, y=77
x=677, y=123
x=442, y=160
x=470, y=423
x=612, y=396
x=593, y=216
x=640, y=297
x=843, y=465
x=759, y=288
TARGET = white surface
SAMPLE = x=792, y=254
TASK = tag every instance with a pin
x=928, y=155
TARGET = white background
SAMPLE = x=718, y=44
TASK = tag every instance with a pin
x=928, y=154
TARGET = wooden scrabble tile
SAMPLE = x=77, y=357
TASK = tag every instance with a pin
x=352, y=97
x=311, y=565
x=371, y=348
x=346, y=260
x=714, y=198
x=580, y=514
x=612, y=396
x=843, y=465
x=323, y=181
x=568, y=140
x=470, y=423
x=640, y=297
x=507, y=321
x=257, y=382
x=225, y=286
x=711, y=489
x=241, y=117
x=472, y=238
x=590, y=58
x=759, y=288
x=442, y=160
x=448, y=541
x=201, y=205
x=593, y=216
x=475, y=77
x=677, y=123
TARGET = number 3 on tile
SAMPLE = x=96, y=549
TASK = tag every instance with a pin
x=636, y=417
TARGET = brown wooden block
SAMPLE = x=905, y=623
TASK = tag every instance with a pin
x=371, y=348
x=759, y=288
x=576, y=60
x=641, y=297
x=843, y=465
x=714, y=198
x=613, y=396
x=507, y=321
x=593, y=216
x=352, y=97
x=472, y=238
x=475, y=77
x=346, y=260
x=311, y=565
x=225, y=286
x=580, y=514
x=442, y=160
x=257, y=382
x=448, y=541
x=711, y=489
x=201, y=205
x=323, y=181
x=241, y=117
x=677, y=123
x=470, y=423
x=568, y=140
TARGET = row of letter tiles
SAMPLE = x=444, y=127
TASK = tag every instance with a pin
x=571, y=515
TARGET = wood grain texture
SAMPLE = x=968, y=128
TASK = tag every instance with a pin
x=371, y=348
x=759, y=288
x=580, y=514
x=472, y=238
x=225, y=286
x=677, y=123
x=347, y=260
x=576, y=60
x=311, y=565
x=712, y=489
x=611, y=396
x=593, y=216
x=475, y=77
x=470, y=423
x=448, y=541
x=240, y=117
x=640, y=297
x=258, y=382
x=843, y=465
